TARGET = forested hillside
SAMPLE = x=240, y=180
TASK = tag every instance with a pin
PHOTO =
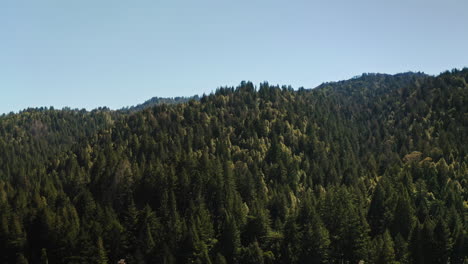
x=371, y=169
x=159, y=101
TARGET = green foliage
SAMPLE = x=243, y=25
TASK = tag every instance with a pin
x=101, y=256
x=371, y=169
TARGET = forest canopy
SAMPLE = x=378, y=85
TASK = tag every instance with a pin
x=371, y=169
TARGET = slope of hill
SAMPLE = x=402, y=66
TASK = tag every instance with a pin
x=160, y=100
x=373, y=168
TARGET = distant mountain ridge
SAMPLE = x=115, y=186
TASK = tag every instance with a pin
x=161, y=100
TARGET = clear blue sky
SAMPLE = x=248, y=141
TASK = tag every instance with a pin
x=116, y=53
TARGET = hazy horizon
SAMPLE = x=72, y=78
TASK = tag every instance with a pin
x=207, y=93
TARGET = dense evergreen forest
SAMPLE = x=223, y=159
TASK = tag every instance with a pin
x=371, y=169
x=158, y=101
